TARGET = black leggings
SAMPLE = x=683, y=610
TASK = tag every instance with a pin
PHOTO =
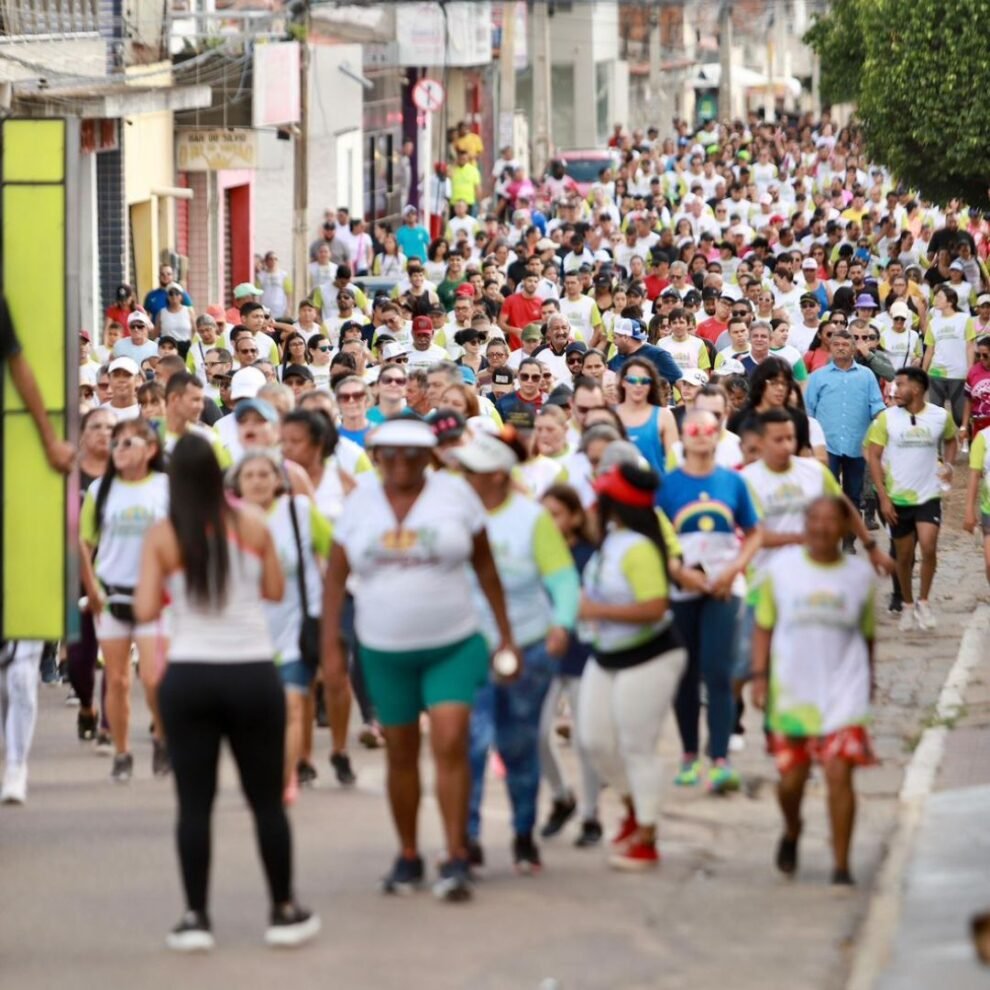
x=201, y=703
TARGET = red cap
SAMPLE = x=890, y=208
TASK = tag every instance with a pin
x=422, y=324
x=613, y=484
x=84, y=335
x=217, y=312
x=777, y=218
x=465, y=291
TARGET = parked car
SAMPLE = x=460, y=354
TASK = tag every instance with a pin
x=583, y=165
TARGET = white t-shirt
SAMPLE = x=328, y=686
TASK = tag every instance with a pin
x=687, y=353
x=581, y=313
x=413, y=590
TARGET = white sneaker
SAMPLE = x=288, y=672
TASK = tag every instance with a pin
x=15, y=779
x=291, y=927
x=923, y=613
x=906, y=623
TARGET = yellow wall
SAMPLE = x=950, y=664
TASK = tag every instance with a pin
x=33, y=501
x=149, y=165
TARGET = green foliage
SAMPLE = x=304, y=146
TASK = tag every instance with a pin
x=837, y=39
x=917, y=71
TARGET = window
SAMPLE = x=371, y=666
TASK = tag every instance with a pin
x=38, y=17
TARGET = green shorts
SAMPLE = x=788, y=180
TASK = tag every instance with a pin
x=404, y=683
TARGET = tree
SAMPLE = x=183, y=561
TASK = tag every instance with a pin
x=837, y=40
x=918, y=90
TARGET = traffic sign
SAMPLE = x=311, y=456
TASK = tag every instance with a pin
x=428, y=94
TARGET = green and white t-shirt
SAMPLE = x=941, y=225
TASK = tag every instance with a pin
x=782, y=497
x=822, y=618
x=688, y=353
x=910, y=456
x=583, y=315
x=979, y=460
x=948, y=335
x=131, y=509
x=626, y=569
x=901, y=348
x=536, y=569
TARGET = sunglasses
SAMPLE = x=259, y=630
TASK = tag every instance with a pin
x=350, y=396
x=701, y=429
x=740, y=314
x=323, y=347
x=547, y=375
x=406, y=453
x=393, y=381
x=809, y=305
x=247, y=350
x=575, y=359
x=127, y=443
x=529, y=378
x=638, y=380
x=840, y=323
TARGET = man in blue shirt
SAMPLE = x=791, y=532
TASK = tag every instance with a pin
x=630, y=339
x=844, y=397
x=158, y=298
x=413, y=238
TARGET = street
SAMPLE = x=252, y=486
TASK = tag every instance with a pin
x=91, y=878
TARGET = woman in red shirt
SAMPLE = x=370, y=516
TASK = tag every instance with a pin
x=124, y=306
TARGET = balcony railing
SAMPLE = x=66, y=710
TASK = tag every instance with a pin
x=52, y=18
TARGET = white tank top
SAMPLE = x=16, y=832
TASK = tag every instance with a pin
x=177, y=325
x=234, y=633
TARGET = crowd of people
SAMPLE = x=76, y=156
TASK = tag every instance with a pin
x=626, y=450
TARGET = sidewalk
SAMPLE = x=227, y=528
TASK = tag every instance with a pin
x=946, y=879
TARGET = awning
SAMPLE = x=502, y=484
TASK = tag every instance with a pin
x=108, y=100
x=710, y=74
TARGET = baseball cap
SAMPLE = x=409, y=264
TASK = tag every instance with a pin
x=560, y=396
x=629, y=328
x=766, y=199
x=217, y=312
x=422, y=324
x=84, y=335
x=957, y=265
x=576, y=347
x=174, y=287
x=545, y=244
x=246, y=289
x=532, y=332
x=264, y=409
x=695, y=376
x=246, y=382
x=166, y=339
x=982, y=300
x=298, y=371
x=900, y=309
x=465, y=291
x=126, y=364
x=138, y=318
x=810, y=264
x=447, y=424
x=394, y=350
x=730, y=366
x=709, y=292
x=403, y=431
x=503, y=376
x=865, y=301
x=409, y=208
x=123, y=291
x=485, y=454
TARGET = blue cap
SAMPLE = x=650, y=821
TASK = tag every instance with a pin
x=264, y=409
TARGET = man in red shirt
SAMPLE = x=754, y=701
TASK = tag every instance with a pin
x=656, y=281
x=519, y=310
x=718, y=318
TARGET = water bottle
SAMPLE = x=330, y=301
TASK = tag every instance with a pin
x=505, y=663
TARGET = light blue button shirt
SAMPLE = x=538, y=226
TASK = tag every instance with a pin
x=844, y=403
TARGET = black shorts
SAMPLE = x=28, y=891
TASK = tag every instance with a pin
x=908, y=517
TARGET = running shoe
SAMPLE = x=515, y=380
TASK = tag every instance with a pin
x=636, y=857
x=689, y=775
x=72, y=699
x=454, y=882
x=560, y=813
x=86, y=726
x=722, y=778
x=842, y=878
x=123, y=768
x=475, y=854
x=341, y=764
x=371, y=736
x=906, y=622
x=15, y=778
x=526, y=855
x=104, y=744
x=305, y=773
x=406, y=876
x=591, y=834
x=191, y=934
x=627, y=829
x=924, y=616
x=895, y=603
x=161, y=765
x=787, y=856
x=291, y=926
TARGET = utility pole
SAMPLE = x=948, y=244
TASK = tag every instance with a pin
x=507, y=76
x=542, y=118
x=725, y=61
x=300, y=177
x=656, y=102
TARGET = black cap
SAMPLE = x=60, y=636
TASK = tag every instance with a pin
x=298, y=371
x=168, y=340
x=576, y=347
x=503, y=376
x=709, y=292
x=560, y=396
x=448, y=424
x=692, y=297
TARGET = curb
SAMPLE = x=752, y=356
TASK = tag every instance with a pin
x=879, y=928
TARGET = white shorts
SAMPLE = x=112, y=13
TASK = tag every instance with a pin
x=109, y=627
